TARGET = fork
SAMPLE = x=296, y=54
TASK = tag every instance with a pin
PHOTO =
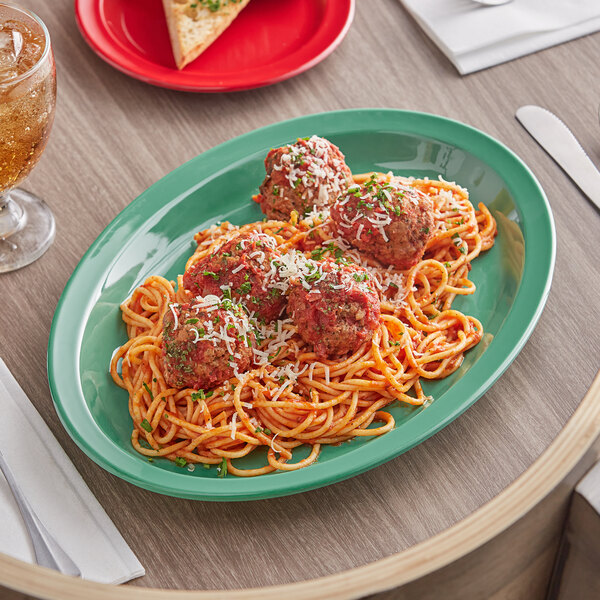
x=47, y=551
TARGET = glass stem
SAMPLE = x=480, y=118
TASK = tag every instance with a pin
x=12, y=216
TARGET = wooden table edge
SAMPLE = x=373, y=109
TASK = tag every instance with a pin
x=532, y=486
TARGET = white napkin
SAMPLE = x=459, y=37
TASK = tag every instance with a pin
x=475, y=37
x=57, y=493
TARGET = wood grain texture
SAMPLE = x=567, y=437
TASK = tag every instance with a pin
x=114, y=136
x=504, y=550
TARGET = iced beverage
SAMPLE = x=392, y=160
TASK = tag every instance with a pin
x=27, y=95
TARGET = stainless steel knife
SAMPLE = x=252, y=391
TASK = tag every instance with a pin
x=558, y=141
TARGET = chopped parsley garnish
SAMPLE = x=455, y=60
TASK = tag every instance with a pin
x=226, y=294
x=338, y=253
x=212, y=274
x=392, y=284
x=145, y=425
x=206, y=465
x=149, y=391
x=313, y=276
x=223, y=468
x=192, y=321
x=369, y=184
x=267, y=431
x=360, y=276
x=180, y=461
x=367, y=205
x=227, y=305
x=201, y=395
x=424, y=229
x=213, y=5
x=258, y=430
x=317, y=253
x=244, y=288
x=272, y=356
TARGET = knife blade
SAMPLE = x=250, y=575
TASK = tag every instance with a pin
x=558, y=141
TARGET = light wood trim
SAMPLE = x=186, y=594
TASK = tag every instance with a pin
x=490, y=520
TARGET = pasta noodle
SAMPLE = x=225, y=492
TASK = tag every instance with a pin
x=291, y=398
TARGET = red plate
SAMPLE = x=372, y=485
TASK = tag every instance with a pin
x=270, y=40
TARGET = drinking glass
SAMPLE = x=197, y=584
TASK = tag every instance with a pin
x=27, y=102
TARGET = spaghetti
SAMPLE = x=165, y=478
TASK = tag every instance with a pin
x=290, y=398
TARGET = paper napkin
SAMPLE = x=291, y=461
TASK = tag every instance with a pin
x=57, y=493
x=475, y=37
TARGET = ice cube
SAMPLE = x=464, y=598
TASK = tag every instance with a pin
x=17, y=37
x=11, y=44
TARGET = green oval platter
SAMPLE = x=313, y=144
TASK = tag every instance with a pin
x=153, y=235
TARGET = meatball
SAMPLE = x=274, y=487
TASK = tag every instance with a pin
x=312, y=172
x=241, y=270
x=334, y=307
x=204, y=344
x=389, y=220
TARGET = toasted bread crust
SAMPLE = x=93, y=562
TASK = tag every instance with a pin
x=192, y=36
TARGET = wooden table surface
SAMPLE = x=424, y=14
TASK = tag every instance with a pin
x=114, y=136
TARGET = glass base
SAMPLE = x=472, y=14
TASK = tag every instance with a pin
x=31, y=237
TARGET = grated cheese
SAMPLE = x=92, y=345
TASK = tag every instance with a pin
x=172, y=307
x=280, y=391
x=272, y=442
